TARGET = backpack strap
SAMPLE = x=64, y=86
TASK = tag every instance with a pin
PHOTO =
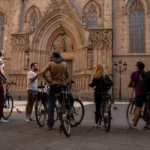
x=137, y=78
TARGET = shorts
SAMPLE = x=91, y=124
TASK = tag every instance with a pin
x=30, y=94
x=140, y=100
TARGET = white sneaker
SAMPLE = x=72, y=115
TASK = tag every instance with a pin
x=27, y=120
x=3, y=120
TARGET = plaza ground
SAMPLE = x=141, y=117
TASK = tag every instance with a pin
x=18, y=135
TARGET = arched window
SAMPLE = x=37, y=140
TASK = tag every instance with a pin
x=33, y=19
x=92, y=16
x=91, y=13
x=2, y=20
x=137, y=27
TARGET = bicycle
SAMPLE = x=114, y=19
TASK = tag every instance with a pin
x=131, y=108
x=8, y=102
x=41, y=104
x=77, y=108
x=105, y=112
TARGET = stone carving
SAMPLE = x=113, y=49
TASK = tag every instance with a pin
x=33, y=20
x=62, y=43
x=33, y=11
x=136, y=5
x=100, y=39
x=20, y=44
x=2, y=17
x=59, y=4
x=26, y=61
x=90, y=59
x=91, y=12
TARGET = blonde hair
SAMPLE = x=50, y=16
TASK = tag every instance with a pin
x=99, y=71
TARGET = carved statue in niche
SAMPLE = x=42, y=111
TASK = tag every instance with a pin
x=26, y=61
x=89, y=59
x=62, y=43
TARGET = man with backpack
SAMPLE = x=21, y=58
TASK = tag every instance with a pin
x=138, y=78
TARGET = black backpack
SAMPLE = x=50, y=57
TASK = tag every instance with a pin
x=105, y=83
x=144, y=81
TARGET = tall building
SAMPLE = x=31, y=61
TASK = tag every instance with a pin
x=86, y=32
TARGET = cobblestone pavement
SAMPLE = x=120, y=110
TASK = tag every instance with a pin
x=18, y=135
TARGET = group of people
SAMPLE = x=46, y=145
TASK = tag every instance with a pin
x=59, y=72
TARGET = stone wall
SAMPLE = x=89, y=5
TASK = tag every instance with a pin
x=104, y=43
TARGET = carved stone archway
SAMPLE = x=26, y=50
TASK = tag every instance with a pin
x=51, y=22
x=56, y=34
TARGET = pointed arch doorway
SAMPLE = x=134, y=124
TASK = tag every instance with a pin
x=63, y=41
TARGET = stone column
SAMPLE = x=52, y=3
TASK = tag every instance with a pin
x=108, y=13
x=17, y=20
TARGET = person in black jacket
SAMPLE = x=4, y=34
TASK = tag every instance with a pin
x=96, y=76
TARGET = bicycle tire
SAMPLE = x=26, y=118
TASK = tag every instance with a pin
x=148, y=118
x=67, y=132
x=130, y=111
x=55, y=114
x=75, y=113
x=6, y=114
x=107, y=118
x=40, y=112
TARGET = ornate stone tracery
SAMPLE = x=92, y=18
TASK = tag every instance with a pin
x=99, y=50
x=33, y=20
x=91, y=11
x=2, y=17
x=59, y=4
x=32, y=17
x=100, y=39
x=136, y=6
x=20, y=51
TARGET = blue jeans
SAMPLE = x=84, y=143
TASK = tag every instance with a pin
x=51, y=99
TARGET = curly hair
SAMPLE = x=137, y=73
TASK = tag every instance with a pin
x=99, y=71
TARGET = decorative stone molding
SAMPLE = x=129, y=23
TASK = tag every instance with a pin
x=31, y=10
x=20, y=42
x=60, y=32
x=51, y=22
x=20, y=51
x=63, y=5
x=26, y=61
x=143, y=2
x=89, y=59
x=3, y=16
x=101, y=39
x=92, y=8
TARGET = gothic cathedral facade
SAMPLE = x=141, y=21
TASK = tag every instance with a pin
x=86, y=32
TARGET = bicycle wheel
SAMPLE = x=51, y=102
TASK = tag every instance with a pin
x=107, y=118
x=8, y=107
x=55, y=114
x=148, y=117
x=77, y=113
x=130, y=113
x=65, y=121
x=40, y=113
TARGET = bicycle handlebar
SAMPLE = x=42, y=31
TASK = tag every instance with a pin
x=11, y=83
